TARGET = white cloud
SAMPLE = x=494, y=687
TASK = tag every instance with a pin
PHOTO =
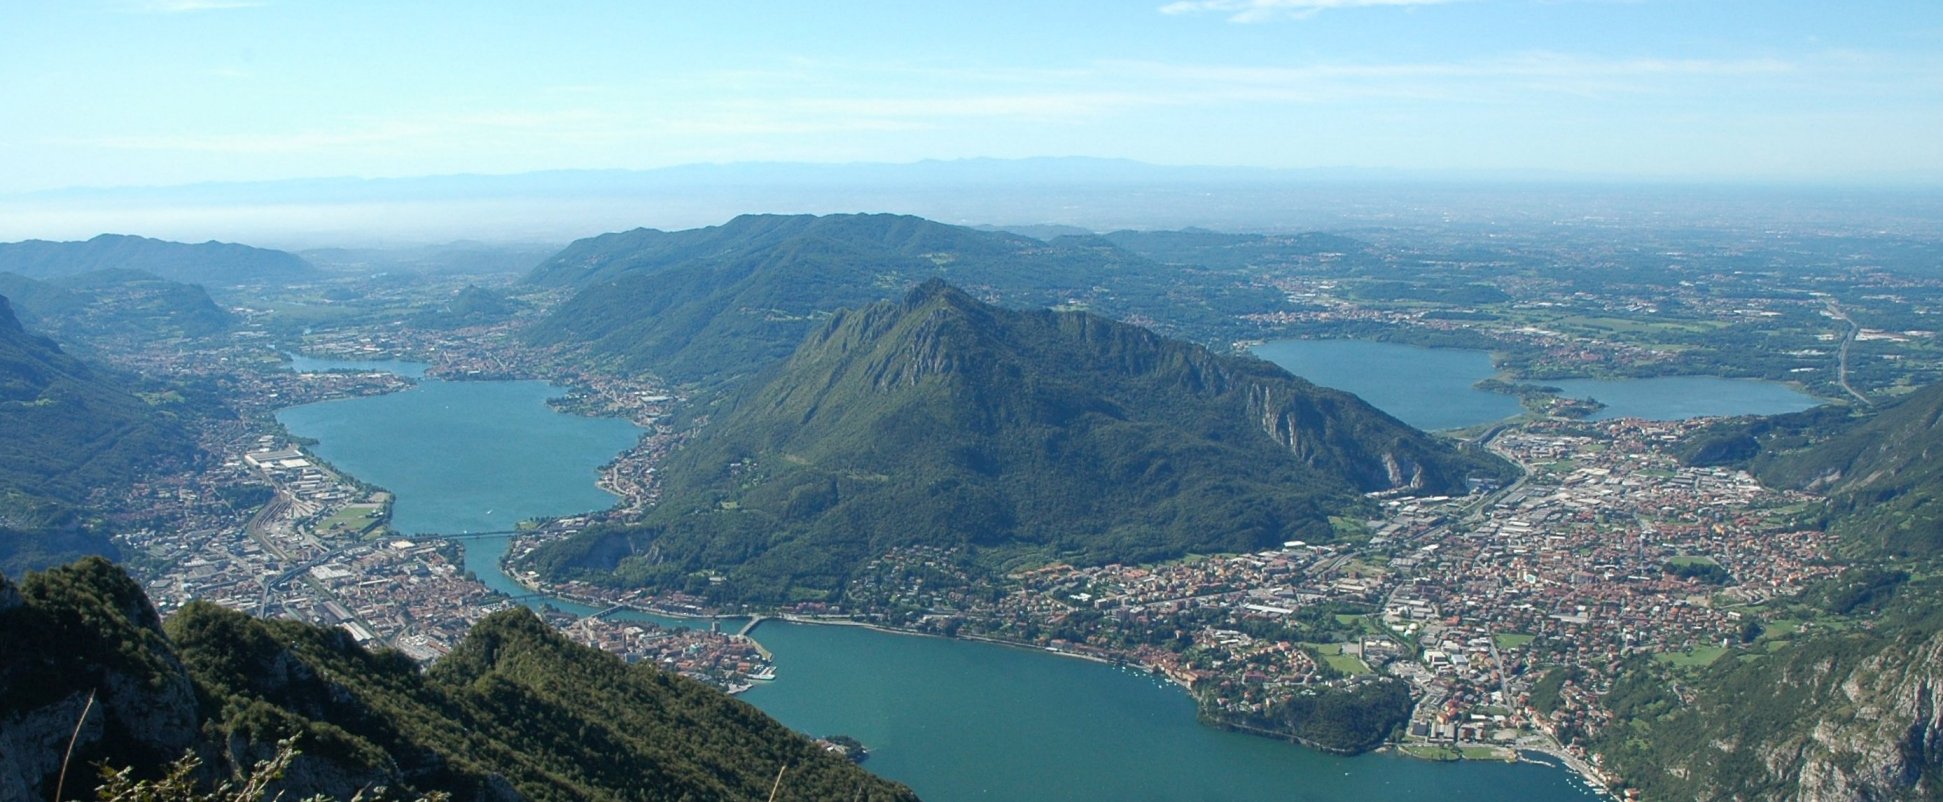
x=273, y=143
x=1527, y=78
x=1069, y=96
x=1528, y=65
x=1265, y=10
x=1037, y=106
x=192, y=6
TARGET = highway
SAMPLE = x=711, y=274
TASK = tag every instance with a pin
x=1842, y=354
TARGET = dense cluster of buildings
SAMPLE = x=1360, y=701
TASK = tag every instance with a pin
x=311, y=544
x=1472, y=600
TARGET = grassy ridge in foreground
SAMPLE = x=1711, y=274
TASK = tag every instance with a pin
x=515, y=712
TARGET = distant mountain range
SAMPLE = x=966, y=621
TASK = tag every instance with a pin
x=515, y=712
x=1035, y=171
x=938, y=420
x=70, y=429
x=209, y=263
x=1085, y=193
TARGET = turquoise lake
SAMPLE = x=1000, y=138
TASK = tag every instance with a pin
x=962, y=720
x=1431, y=388
x=1678, y=397
x=467, y=456
x=954, y=719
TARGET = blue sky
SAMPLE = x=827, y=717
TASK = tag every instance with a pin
x=158, y=92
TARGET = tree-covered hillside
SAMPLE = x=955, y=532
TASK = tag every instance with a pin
x=611, y=256
x=104, y=304
x=69, y=431
x=515, y=712
x=713, y=305
x=472, y=305
x=1853, y=710
x=1024, y=436
x=209, y=263
x=1881, y=470
x=1883, y=477
x=1848, y=705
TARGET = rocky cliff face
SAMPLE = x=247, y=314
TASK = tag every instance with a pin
x=1307, y=425
x=1881, y=736
x=31, y=745
x=1326, y=429
x=1839, y=715
x=86, y=631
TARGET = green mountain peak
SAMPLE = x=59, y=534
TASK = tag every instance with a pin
x=940, y=420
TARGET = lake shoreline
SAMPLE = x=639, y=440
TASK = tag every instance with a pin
x=1436, y=388
x=1571, y=764
x=1566, y=761
x=1245, y=778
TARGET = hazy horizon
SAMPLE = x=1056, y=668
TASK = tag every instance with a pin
x=1094, y=194
x=298, y=124
x=172, y=92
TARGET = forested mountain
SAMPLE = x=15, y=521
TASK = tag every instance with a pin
x=901, y=240
x=516, y=711
x=69, y=431
x=1882, y=472
x=1848, y=713
x=1883, y=477
x=720, y=303
x=470, y=306
x=939, y=420
x=209, y=263
x=114, y=303
x=1851, y=707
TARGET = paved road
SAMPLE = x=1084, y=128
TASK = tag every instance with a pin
x=1842, y=354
